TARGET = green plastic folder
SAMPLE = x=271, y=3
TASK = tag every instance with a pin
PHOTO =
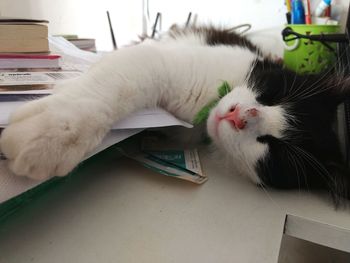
x=10, y=207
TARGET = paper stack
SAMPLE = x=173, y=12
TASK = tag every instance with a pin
x=87, y=44
x=24, y=45
x=26, y=63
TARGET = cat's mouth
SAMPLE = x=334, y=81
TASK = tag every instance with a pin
x=237, y=117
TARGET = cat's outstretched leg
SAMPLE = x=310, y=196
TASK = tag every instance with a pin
x=50, y=136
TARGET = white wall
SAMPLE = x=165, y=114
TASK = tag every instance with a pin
x=87, y=18
x=260, y=13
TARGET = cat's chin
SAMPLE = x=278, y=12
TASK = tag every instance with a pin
x=228, y=140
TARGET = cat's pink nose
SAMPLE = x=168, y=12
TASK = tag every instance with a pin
x=239, y=119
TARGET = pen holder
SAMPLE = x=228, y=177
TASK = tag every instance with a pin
x=305, y=55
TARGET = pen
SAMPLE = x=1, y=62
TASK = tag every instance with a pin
x=112, y=32
x=327, y=12
x=298, y=12
x=158, y=17
x=288, y=14
x=322, y=7
x=308, y=13
x=288, y=5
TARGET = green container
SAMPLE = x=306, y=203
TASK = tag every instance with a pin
x=307, y=56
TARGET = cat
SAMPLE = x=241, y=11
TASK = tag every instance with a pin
x=275, y=125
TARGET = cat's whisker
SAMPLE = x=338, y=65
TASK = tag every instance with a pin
x=265, y=190
x=315, y=86
x=307, y=93
x=297, y=88
x=312, y=161
x=296, y=135
x=306, y=96
x=303, y=169
x=293, y=161
x=307, y=90
x=293, y=83
x=294, y=92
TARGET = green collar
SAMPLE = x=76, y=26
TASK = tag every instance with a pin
x=203, y=114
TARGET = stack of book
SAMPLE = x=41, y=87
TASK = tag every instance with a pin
x=26, y=64
x=24, y=44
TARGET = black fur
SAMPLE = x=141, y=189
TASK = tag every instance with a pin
x=308, y=155
x=216, y=36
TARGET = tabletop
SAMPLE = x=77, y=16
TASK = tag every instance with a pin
x=115, y=210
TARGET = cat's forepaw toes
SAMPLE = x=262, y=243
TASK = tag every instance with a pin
x=42, y=141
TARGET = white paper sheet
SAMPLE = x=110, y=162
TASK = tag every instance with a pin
x=72, y=58
x=143, y=119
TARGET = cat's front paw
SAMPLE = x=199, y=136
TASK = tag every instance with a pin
x=48, y=137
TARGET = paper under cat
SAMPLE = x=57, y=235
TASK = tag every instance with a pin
x=275, y=126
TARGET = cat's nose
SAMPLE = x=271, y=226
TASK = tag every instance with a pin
x=239, y=117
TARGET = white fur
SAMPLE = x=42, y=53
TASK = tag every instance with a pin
x=50, y=136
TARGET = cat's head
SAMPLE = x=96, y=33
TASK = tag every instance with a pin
x=277, y=128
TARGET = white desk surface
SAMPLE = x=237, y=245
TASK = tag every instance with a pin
x=122, y=212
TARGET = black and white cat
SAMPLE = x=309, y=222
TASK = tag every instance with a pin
x=275, y=125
